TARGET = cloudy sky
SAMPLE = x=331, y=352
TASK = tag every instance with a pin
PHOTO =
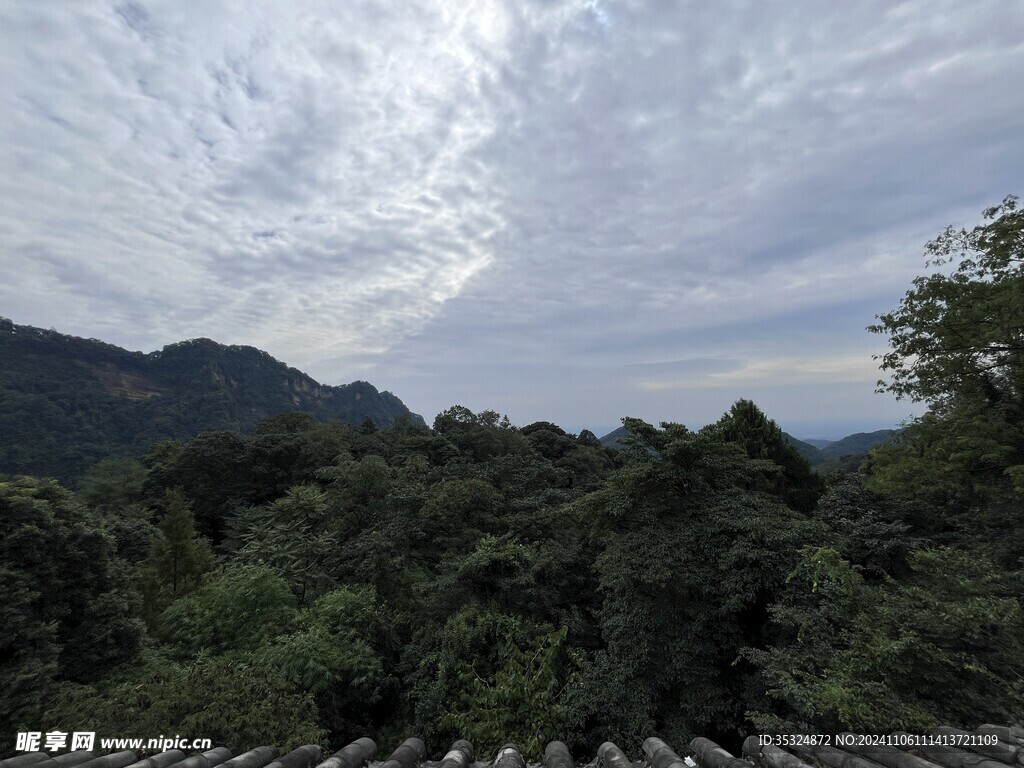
x=572, y=211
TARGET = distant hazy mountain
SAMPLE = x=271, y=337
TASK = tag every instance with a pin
x=612, y=438
x=833, y=450
x=861, y=442
x=808, y=451
x=67, y=402
x=818, y=443
x=829, y=454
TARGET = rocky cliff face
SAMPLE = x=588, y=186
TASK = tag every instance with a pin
x=66, y=402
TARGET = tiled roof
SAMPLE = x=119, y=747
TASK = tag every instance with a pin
x=989, y=746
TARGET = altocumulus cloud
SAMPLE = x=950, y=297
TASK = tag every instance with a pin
x=298, y=177
x=568, y=210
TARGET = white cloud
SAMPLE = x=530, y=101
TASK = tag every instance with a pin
x=775, y=371
x=250, y=172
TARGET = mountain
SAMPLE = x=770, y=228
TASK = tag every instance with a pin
x=825, y=458
x=612, y=438
x=861, y=442
x=819, y=443
x=808, y=451
x=67, y=402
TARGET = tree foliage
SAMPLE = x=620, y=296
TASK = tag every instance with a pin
x=875, y=657
x=68, y=611
x=747, y=426
x=232, y=701
x=178, y=559
x=522, y=702
x=292, y=537
x=691, y=558
x=237, y=608
x=957, y=344
x=957, y=337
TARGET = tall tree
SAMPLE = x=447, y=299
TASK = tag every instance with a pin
x=959, y=338
x=957, y=344
x=291, y=536
x=333, y=657
x=692, y=555
x=67, y=611
x=746, y=425
x=236, y=610
x=522, y=702
x=215, y=475
x=177, y=560
x=114, y=483
x=480, y=436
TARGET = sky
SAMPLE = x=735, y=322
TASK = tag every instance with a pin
x=566, y=211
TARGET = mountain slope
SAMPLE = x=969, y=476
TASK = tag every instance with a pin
x=808, y=451
x=861, y=442
x=819, y=443
x=611, y=440
x=67, y=402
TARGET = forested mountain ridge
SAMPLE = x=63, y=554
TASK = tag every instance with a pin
x=808, y=451
x=818, y=443
x=846, y=453
x=856, y=446
x=67, y=402
x=861, y=442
